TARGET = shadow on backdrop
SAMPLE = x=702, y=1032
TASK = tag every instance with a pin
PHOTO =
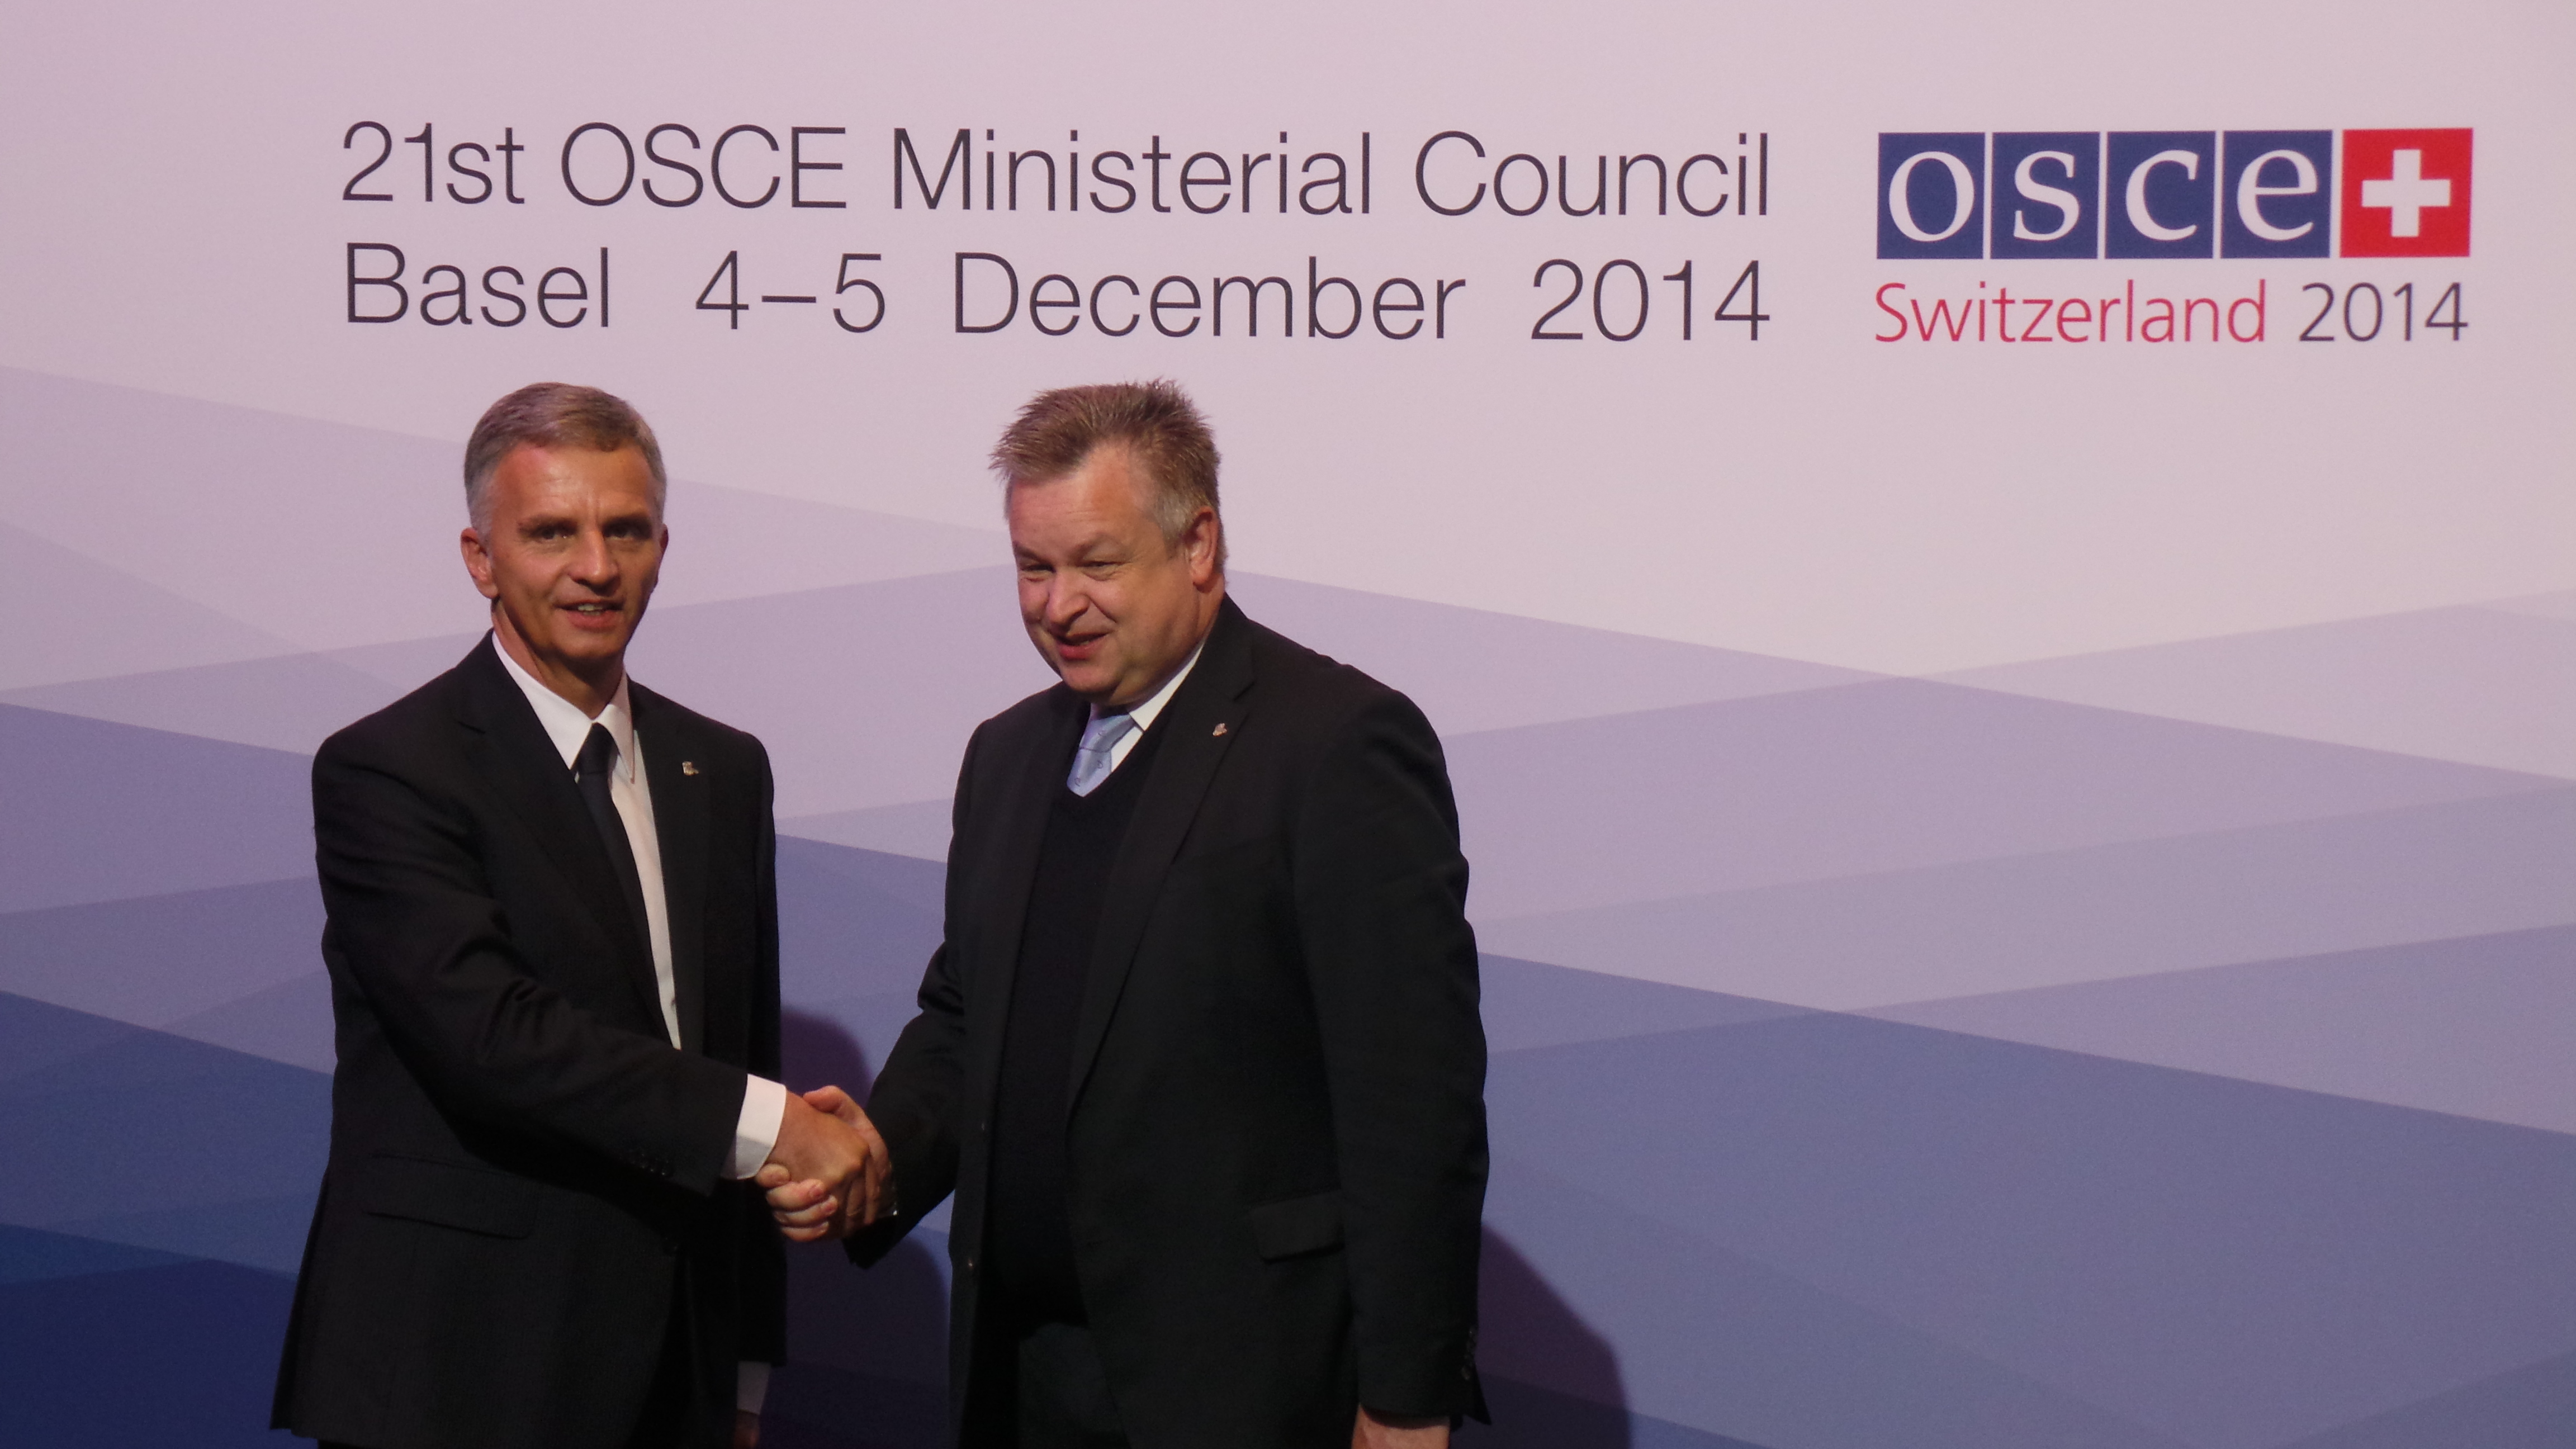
x=1551, y=1381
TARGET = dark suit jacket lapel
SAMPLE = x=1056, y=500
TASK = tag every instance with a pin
x=1017, y=840
x=1188, y=757
x=680, y=825
x=511, y=749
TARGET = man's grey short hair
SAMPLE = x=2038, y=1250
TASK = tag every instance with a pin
x=554, y=415
x=1155, y=421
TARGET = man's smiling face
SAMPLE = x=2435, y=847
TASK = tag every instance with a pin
x=1113, y=605
x=571, y=554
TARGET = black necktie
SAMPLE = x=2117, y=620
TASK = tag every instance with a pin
x=590, y=772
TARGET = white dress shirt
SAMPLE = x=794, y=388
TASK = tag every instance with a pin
x=764, y=1102
x=1145, y=713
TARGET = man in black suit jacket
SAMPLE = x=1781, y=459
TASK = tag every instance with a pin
x=554, y=976
x=1200, y=1054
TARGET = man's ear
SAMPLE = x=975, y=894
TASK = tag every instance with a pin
x=478, y=562
x=1199, y=541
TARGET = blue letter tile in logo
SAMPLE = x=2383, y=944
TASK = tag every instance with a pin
x=2048, y=194
x=1931, y=194
x=2161, y=194
x=2278, y=198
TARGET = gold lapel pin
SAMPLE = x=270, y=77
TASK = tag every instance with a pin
x=688, y=767
x=1220, y=731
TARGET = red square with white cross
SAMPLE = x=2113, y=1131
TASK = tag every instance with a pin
x=2405, y=193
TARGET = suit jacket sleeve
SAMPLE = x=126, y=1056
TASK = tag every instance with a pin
x=762, y=1252
x=419, y=930
x=919, y=1098
x=1381, y=892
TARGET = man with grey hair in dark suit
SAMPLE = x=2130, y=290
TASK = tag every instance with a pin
x=553, y=950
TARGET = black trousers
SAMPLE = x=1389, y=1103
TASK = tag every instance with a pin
x=1042, y=1387
x=667, y=1421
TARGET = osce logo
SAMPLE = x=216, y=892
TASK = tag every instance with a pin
x=2014, y=194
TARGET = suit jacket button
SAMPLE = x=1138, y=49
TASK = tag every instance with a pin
x=969, y=1264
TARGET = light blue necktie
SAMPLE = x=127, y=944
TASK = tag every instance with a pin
x=1091, y=762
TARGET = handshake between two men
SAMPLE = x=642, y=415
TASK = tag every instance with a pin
x=829, y=1175
x=1198, y=1058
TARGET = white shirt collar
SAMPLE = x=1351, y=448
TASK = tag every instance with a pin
x=567, y=726
x=1152, y=705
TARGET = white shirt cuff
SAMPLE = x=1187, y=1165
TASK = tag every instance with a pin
x=751, y=1386
x=755, y=1133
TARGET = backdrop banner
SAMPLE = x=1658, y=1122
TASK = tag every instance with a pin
x=1999, y=582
